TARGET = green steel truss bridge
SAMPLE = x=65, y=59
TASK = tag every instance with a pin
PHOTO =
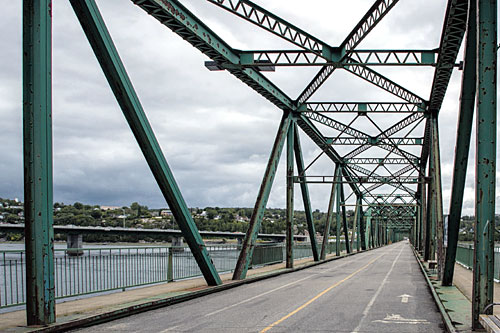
x=390, y=175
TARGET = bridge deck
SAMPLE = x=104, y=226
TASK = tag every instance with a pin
x=377, y=291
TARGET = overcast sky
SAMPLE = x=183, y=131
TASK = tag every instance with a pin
x=215, y=132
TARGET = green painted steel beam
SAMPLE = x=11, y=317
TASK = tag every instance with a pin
x=329, y=216
x=248, y=245
x=384, y=83
x=362, y=107
x=437, y=195
x=274, y=24
x=358, y=179
x=338, y=222
x=37, y=151
x=260, y=58
x=372, y=17
x=180, y=20
x=462, y=145
x=344, y=219
x=114, y=70
x=368, y=229
x=486, y=137
x=305, y=195
x=452, y=35
x=289, y=193
x=307, y=126
x=451, y=38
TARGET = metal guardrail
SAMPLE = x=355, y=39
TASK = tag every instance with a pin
x=465, y=257
x=95, y=270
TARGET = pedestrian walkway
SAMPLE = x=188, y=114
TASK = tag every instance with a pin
x=91, y=306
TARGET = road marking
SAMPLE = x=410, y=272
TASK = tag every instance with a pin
x=303, y=306
x=370, y=304
x=276, y=289
x=397, y=319
x=404, y=298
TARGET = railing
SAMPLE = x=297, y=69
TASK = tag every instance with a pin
x=96, y=270
x=465, y=257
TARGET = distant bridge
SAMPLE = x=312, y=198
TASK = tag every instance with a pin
x=72, y=229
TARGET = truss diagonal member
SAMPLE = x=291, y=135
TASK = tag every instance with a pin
x=180, y=20
x=372, y=17
x=268, y=21
x=335, y=124
x=453, y=33
x=107, y=55
x=379, y=9
x=248, y=245
x=383, y=82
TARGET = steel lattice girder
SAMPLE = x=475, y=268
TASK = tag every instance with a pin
x=180, y=20
x=246, y=65
x=361, y=107
x=258, y=58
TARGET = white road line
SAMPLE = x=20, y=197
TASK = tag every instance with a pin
x=273, y=290
x=370, y=304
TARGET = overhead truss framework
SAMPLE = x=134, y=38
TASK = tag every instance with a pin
x=387, y=168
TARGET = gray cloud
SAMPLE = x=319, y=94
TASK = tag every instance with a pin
x=215, y=132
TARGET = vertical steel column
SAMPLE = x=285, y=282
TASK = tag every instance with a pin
x=248, y=245
x=305, y=195
x=354, y=225
x=344, y=220
x=437, y=195
x=362, y=226
x=37, y=146
x=338, y=221
x=423, y=209
x=105, y=51
x=368, y=229
x=428, y=230
x=462, y=146
x=486, y=131
x=289, y=194
x=329, y=215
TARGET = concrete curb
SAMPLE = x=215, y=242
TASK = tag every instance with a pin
x=446, y=318
x=165, y=302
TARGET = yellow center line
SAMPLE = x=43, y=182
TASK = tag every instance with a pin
x=277, y=322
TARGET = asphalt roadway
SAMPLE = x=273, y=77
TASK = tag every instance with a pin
x=382, y=290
